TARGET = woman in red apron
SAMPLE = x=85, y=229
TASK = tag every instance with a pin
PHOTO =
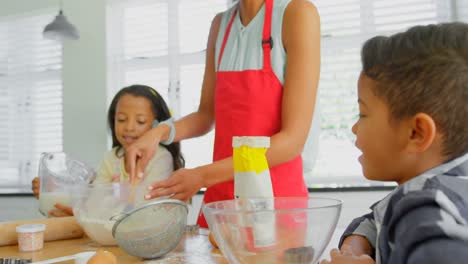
x=247, y=103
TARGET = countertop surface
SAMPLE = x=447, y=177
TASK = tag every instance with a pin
x=193, y=248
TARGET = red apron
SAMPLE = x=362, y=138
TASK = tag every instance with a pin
x=248, y=103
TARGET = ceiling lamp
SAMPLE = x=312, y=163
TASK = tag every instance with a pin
x=60, y=28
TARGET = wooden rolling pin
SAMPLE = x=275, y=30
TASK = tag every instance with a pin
x=58, y=228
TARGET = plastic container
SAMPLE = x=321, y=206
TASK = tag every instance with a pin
x=251, y=171
x=252, y=180
x=30, y=237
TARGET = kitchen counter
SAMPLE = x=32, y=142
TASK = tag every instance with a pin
x=193, y=248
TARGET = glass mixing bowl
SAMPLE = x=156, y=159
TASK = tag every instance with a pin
x=97, y=206
x=273, y=230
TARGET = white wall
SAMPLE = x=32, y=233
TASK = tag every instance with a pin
x=84, y=74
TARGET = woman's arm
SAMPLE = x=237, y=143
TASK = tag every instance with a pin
x=301, y=38
x=193, y=125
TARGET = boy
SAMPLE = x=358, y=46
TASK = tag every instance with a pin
x=413, y=129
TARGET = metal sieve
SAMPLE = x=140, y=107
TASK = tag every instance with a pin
x=151, y=230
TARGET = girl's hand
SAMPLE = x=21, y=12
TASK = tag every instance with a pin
x=346, y=256
x=61, y=211
x=36, y=186
x=183, y=184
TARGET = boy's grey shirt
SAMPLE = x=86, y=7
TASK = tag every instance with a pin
x=424, y=220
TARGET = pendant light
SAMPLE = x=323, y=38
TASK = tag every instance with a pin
x=60, y=29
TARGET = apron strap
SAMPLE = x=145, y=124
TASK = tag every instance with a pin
x=267, y=41
x=226, y=36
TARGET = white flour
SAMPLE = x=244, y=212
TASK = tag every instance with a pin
x=94, y=217
x=98, y=230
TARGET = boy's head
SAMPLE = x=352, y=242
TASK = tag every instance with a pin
x=413, y=100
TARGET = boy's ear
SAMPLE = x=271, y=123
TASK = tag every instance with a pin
x=423, y=133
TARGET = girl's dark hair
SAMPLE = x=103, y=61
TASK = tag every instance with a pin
x=424, y=70
x=160, y=110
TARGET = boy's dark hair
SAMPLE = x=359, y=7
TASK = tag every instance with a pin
x=160, y=110
x=424, y=70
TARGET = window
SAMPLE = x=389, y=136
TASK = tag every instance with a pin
x=161, y=43
x=346, y=24
x=460, y=9
x=30, y=97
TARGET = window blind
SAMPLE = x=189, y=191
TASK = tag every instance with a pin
x=31, y=97
x=201, y=148
x=345, y=25
x=460, y=8
x=164, y=44
x=141, y=39
x=195, y=21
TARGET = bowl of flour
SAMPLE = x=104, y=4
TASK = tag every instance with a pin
x=97, y=206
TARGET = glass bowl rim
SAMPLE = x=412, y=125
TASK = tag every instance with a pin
x=213, y=210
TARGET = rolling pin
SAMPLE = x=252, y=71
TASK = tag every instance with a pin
x=58, y=228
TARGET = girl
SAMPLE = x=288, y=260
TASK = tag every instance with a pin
x=134, y=110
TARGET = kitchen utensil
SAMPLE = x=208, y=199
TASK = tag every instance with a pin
x=57, y=172
x=301, y=231
x=81, y=257
x=153, y=229
x=56, y=229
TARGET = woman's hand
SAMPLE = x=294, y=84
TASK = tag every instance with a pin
x=346, y=256
x=183, y=184
x=36, y=186
x=139, y=153
x=61, y=210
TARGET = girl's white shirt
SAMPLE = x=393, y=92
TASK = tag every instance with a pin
x=112, y=167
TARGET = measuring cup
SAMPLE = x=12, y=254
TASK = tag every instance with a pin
x=58, y=172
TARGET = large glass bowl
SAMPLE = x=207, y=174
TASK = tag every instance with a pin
x=273, y=230
x=97, y=207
